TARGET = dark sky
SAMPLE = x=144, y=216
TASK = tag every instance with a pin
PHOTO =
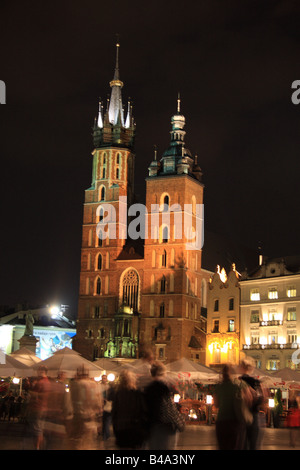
x=233, y=63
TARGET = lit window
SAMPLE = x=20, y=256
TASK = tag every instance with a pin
x=216, y=326
x=292, y=338
x=291, y=291
x=254, y=294
x=254, y=318
x=273, y=293
x=255, y=339
x=291, y=314
x=231, y=325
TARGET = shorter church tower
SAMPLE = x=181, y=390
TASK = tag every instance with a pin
x=173, y=315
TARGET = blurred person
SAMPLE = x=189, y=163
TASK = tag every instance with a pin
x=107, y=391
x=144, y=378
x=230, y=428
x=59, y=413
x=86, y=406
x=129, y=414
x=37, y=406
x=164, y=418
x=9, y=404
x=254, y=431
x=293, y=417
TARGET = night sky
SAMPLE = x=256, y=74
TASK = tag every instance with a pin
x=233, y=63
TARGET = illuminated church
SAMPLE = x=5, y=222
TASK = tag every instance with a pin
x=148, y=291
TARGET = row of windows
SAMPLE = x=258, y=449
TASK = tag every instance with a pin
x=118, y=158
x=230, y=328
x=274, y=339
x=291, y=291
x=163, y=310
x=230, y=304
x=117, y=176
x=273, y=315
x=276, y=364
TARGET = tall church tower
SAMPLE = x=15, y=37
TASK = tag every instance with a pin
x=104, y=223
x=174, y=284
x=138, y=292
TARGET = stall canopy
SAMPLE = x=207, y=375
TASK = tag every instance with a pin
x=287, y=374
x=109, y=365
x=185, y=369
x=69, y=362
x=26, y=356
x=11, y=367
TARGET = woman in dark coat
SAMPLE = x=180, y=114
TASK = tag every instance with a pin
x=164, y=418
x=129, y=415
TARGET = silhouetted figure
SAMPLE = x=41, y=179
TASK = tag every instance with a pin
x=254, y=430
x=230, y=430
x=293, y=417
x=129, y=414
x=164, y=418
x=86, y=403
x=37, y=406
x=107, y=391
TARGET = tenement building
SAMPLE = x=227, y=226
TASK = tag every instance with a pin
x=270, y=313
x=142, y=284
x=223, y=318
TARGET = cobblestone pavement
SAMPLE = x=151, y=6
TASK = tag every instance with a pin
x=13, y=436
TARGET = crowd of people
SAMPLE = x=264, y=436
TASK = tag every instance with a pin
x=139, y=411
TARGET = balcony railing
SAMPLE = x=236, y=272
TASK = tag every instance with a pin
x=271, y=323
x=271, y=346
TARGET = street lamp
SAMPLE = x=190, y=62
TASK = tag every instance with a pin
x=176, y=398
x=271, y=408
x=209, y=400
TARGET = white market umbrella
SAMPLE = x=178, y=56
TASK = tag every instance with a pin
x=26, y=356
x=68, y=361
x=109, y=365
x=186, y=369
x=287, y=374
x=11, y=367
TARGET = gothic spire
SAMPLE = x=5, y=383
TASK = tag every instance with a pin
x=116, y=84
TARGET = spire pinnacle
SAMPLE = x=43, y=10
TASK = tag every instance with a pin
x=178, y=103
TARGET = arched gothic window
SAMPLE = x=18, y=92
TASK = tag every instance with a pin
x=130, y=289
x=102, y=194
x=99, y=263
x=166, y=203
x=163, y=285
x=98, y=286
x=164, y=259
x=165, y=235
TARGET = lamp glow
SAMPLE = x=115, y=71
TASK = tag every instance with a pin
x=176, y=398
x=209, y=399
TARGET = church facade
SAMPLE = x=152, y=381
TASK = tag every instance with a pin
x=141, y=282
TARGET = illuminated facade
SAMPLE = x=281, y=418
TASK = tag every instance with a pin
x=51, y=333
x=270, y=313
x=150, y=291
x=223, y=319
